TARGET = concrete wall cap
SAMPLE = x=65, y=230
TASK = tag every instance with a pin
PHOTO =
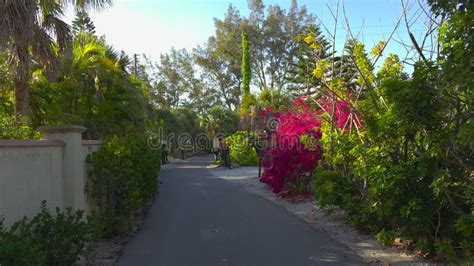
x=29, y=143
x=62, y=129
x=91, y=142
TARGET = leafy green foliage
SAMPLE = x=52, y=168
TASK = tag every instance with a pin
x=11, y=127
x=445, y=250
x=249, y=104
x=220, y=72
x=394, y=175
x=94, y=90
x=316, y=62
x=273, y=55
x=35, y=31
x=241, y=148
x=48, y=239
x=5, y=82
x=219, y=120
x=273, y=100
x=398, y=178
x=330, y=189
x=14, y=128
x=83, y=23
x=123, y=179
x=386, y=237
x=176, y=76
x=406, y=170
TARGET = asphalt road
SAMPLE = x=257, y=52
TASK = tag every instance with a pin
x=199, y=219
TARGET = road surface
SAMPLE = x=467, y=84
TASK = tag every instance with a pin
x=200, y=219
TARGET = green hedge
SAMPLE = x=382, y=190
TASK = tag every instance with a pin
x=123, y=180
x=48, y=239
x=241, y=149
x=15, y=128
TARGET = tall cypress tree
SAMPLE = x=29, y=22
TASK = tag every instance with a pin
x=246, y=72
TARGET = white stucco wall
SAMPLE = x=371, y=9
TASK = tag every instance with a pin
x=29, y=174
x=53, y=169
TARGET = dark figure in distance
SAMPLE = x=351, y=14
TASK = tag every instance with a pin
x=226, y=154
x=164, y=155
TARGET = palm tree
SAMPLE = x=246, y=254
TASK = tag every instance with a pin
x=94, y=88
x=34, y=29
x=210, y=124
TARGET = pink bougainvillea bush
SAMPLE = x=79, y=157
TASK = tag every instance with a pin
x=294, y=151
x=342, y=112
x=290, y=155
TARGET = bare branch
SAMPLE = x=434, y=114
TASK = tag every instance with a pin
x=427, y=14
x=388, y=40
x=410, y=34
x=336, y=19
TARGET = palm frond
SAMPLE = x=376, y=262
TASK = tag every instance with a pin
x=50, y=7
x=86, y=5
x=59, y=29
x=42, y=47
x=17, y=19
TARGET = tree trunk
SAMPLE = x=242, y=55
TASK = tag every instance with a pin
x=21, y=81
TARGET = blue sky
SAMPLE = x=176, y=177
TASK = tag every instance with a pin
x=153, y=27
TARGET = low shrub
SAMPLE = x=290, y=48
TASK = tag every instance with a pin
x=406, y=172
x=241, y=149
x=331, y=189
x=48, y=239
x=123, y=179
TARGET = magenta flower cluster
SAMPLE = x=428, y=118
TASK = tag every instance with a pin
x=344, y=115
x=287, y=159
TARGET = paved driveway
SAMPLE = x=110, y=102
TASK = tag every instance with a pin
x=199, y=219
